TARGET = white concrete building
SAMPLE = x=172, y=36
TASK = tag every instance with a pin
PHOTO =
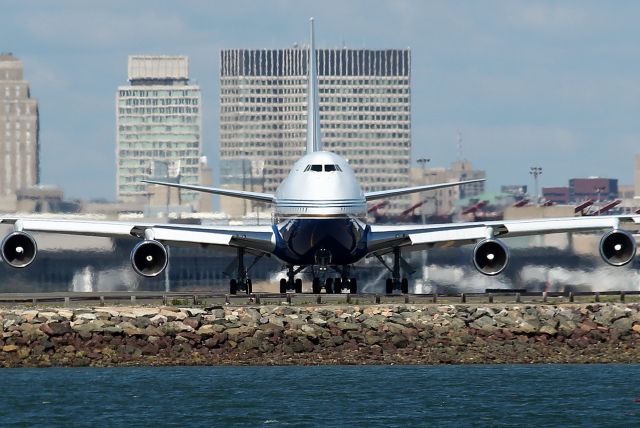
x=158, y=122
x=19, y=133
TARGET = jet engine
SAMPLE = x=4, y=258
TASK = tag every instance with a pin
x=490, y=256
x=19, y=249
x=149, y=258
x=617, y=247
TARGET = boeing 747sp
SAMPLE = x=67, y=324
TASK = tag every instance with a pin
x=319, y=223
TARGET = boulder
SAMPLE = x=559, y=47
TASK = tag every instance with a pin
x=484, y=323
x=622, y=326
x=56, y=328
x=347, y=326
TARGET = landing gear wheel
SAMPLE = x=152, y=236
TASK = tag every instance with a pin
x=315, y=286
x=337, y=286
x=353, y=286
x=404, y=286
x=389, y=286
x=249, y=287
x=298, y=285
x=283, y=285
x=233, y=286
x=328, y=285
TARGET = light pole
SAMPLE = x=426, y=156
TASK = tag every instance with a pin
x=246, y=160
x=423, y=164
x=244, y=185
x=425, y=258
x=536, y=171
x=598, y=190
x=259, y=204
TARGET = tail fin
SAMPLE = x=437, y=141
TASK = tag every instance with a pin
x=313, y=115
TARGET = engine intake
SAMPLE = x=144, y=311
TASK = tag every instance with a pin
x=19, y=249
x=149, y=258
x=617, y=247
x=490, y=256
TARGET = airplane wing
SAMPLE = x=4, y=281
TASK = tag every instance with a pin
x=383, y=238
x=260, y=239
x=369, y=196
x=255, y=196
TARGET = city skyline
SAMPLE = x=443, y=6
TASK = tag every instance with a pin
x=546, y=84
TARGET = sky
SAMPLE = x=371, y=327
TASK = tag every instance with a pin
x=525, y=83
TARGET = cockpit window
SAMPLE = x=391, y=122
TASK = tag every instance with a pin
x=327, y=168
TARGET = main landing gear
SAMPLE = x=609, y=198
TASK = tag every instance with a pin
x=338, y=286
x=331, y=285
x=291, y=283
x=242, y=282
x=396, y=282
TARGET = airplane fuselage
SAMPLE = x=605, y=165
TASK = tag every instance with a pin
x=319, y=215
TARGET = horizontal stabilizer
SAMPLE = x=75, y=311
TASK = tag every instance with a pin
x=254, y=196
x=369, y=196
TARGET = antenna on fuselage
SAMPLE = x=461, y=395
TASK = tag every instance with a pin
x=313, y=114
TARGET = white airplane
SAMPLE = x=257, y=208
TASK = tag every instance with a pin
x=319, y=223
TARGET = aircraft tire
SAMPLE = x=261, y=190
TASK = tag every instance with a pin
x=353, y=286
x=233, y=287
x=315, y=286
x=404, y=286
x=283, y=285
x=328, y=285
x=389, y=286
x=249, y=287
x=337, y=286
x=298, y=285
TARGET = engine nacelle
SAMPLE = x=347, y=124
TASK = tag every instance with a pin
x=19, y=249
x=617, y=247
x=149, y=258
x=490, y=256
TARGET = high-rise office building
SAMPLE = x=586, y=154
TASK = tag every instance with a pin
x=19, y=142
x=158, y=126
x=365, y=114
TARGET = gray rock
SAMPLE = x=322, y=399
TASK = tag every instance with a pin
x=609, y=314
x=622, y=325
x=528, y=326
x=249, y=343
x=484, y=323
x=347, y=326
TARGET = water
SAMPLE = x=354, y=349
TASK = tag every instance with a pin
x=327, y=396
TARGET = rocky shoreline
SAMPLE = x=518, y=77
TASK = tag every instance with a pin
x=310, y=335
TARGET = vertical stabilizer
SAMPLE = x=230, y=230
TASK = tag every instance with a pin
x=313, y=114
